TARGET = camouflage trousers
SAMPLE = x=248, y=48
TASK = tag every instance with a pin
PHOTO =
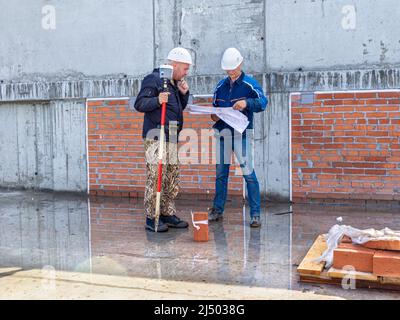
x=170, y=178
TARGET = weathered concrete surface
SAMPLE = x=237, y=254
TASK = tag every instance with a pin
x=272, y=147
x=39, y=284
x=43, y=145
x=329, y=35
x=69, y=89
x=275, y=82
x=90, y=39
x=106, y=39
x=209, y=27
x=367, y=79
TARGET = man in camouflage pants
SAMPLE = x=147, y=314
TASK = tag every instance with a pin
x=170, y=180
x=149, y=101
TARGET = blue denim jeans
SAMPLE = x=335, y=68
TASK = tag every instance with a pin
x=242, y=146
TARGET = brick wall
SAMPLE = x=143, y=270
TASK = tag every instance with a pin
x=116, y=154
x=346, y=145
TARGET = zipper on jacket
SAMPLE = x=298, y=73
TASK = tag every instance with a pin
x=230, y=92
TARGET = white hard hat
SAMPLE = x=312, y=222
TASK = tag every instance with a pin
x=231, y=59
x=179, y=54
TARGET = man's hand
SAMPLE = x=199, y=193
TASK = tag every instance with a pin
x=240, y=105
x=163, y=97
x=183, y=86
x=214, y=117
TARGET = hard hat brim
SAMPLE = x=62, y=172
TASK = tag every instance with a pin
x=228, y=68
x=181, y=55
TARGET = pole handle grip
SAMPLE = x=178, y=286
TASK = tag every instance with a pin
x=163, y=113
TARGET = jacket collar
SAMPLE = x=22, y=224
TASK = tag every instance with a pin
x=238, y=80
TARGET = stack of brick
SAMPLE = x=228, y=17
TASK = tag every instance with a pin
x=381, y=258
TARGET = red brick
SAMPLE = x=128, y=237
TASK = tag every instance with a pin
x=348, y=254
x=393, y=101
x=333, y=102
x=323, y=109
x=343, y=139
x=386, y=264
x=389, y=94
x=353, y=115
x=117, y=102
x=388, y=108
x=375, y=102
x=383, y=245
x=346, y=239
x=356, y=102
x=334, y=115
x=332, y=170
x=376, y=172
x=333, y=146
x=95, y=103
x=322, y=96
x=200, y=234
x=343, y=109
x=366, y=95
x=377, y=115
x=343, y=95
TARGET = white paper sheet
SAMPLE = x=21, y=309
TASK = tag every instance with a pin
x=195, y=109
x=234, y=118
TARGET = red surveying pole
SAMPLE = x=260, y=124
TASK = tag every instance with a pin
x=165, y=74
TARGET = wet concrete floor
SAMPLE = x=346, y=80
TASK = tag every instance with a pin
x=68, y=232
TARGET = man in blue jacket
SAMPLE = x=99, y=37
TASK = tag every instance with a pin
x=242, y=93
x=149, y=101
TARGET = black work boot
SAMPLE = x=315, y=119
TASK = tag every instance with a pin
x=174, y=222
x=150, y=225
x=214, y=214
x=255, y=222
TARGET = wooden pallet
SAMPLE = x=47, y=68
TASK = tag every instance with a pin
x=313, y=272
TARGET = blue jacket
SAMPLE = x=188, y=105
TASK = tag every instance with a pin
x=147, y=102
x=244, y=88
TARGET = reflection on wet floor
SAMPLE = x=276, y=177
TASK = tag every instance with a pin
x=234, y=254
x=43, y=229
x=107, y=236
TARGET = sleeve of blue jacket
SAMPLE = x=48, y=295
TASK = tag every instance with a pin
x=147, y=99
x=215, y=102
x=257, y=101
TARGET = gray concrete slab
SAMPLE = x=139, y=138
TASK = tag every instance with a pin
x=316, y=35
x=106, y=236
x=86, y=39
x=43, y=145
x=57, y=40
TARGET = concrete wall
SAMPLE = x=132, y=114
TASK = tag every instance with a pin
x=326, y=34
x=43, y=145
x=103, y=39
x=102, y=49
x=91, y=39
x=209, y=27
